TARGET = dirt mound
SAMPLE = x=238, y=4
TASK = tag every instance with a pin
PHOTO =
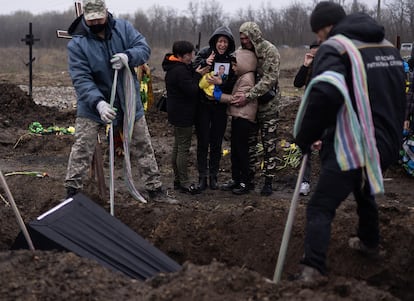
x=19, y=110
x=228, y=246
x=65, y=276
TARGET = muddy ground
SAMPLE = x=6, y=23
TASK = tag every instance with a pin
x=228, y=246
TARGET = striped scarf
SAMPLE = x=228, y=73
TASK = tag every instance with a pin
x=355, y=143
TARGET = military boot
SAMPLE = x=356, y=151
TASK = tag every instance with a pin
x=267, y=187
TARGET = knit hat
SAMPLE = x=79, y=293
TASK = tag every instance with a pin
x=326, y=13
x=94, y=9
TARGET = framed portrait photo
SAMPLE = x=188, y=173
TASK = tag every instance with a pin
x=222, y=69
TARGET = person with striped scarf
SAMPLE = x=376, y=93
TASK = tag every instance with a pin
x=355, y=105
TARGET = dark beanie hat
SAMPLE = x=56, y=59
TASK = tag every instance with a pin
x=326, y=13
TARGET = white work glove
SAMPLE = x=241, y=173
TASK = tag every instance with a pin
x=119, y=60
x=106, y=111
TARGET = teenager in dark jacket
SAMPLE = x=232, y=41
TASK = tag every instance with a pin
x=303, y=78
x=304, y=74
x=352, y=44
x=211, y=116
x=181, y=82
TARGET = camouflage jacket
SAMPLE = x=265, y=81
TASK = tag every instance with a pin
x=268, y=61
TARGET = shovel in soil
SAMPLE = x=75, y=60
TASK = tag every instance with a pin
x=111, y=148
x=289, y=223
x=16, y=212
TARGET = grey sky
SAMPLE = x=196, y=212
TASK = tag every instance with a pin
x=130, y=6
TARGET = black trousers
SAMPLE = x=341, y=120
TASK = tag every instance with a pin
x=333, y=187
x=308, y=170
x=241, y=130
x=211, y=121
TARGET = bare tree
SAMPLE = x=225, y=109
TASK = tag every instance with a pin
x=358, y=6
x=193, y=9
x=212, y=16
x=295, y=19
x=397, y=15
x=410, y=20
x=142, y=23
x=162, y=25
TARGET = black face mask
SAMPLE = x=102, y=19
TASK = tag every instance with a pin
x=97, y=28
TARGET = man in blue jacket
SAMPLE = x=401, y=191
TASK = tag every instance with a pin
x=99, y=45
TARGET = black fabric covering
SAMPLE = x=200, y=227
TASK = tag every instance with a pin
x=85, y=228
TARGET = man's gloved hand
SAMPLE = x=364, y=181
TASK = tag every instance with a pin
x=106, y=111
x=119, y=60
x=217, y=93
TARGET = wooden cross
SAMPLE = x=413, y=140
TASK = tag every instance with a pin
x=30, y=39
x=63, y=34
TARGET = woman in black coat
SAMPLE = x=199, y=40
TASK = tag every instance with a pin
x=211, y=115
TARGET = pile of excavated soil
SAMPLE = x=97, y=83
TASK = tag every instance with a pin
x=227, y=245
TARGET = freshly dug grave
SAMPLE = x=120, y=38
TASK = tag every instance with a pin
x=228, y=246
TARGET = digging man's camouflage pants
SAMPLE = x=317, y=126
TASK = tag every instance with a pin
x=267, y=121
x=142, y=153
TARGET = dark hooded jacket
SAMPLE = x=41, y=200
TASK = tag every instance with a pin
x=385, y=76
x=204, y=53
x=90, y=68
x=181, y=82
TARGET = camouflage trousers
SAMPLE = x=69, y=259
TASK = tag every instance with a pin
x=142, y=153
x=267, y=122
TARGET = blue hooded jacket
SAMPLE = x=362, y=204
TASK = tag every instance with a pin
x=91, y=70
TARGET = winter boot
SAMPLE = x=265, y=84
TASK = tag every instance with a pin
x=213, y=183
x=311, y=275
x=304, y=188
x=267, y=187
x=161, y=196
x=191, y=189
x=202, y=183
x=373, y=252
x=230, y=185
x=241, y=189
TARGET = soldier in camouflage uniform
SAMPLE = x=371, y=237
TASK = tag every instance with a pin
x=97, y=47
x=267, y=92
